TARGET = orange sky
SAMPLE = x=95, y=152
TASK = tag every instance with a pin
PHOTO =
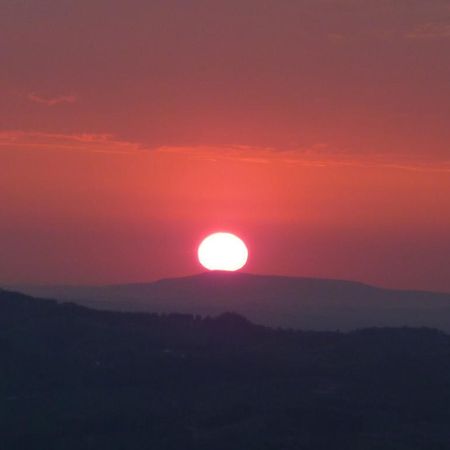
x=317, y=130
x=83, y=216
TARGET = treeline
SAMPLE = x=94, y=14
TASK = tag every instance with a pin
x=75, y=378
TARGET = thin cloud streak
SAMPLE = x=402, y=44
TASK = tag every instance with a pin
x=320, y=155
x=52, y=101
x=99, y=143
x=430, y=30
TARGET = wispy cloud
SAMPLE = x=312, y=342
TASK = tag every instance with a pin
x=229, y=153
x=100, y=143
x=430, y=30
x=52, y=101
x=318, y=155
x=321, y=154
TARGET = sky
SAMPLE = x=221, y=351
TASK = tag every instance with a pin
x=317, y=130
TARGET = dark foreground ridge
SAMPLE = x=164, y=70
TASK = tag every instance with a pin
x=288, y=302
x=73, y=378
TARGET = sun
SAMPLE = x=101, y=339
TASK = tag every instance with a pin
x=222, y=251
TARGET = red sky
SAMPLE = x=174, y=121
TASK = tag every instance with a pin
x=318, y=130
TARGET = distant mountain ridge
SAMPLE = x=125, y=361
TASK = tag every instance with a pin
x=277, y=301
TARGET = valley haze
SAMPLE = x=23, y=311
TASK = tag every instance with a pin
x=276, y=301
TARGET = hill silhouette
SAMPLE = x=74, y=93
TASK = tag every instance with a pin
x=77, y=378
x=289, y=302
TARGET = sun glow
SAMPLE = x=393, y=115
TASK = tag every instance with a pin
x=222, y=251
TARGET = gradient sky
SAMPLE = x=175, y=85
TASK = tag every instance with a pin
x=317, y=130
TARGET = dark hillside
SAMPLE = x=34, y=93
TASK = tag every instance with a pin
x=75, y=378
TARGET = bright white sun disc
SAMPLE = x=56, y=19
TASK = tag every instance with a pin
x=222, y=251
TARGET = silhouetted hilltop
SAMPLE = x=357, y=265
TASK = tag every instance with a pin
x=76, y=378
x=17, y=303
x=304, y=303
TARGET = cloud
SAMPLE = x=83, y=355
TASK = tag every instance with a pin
x=321, y=154
x=52, y=101
x=239, y=153
x=99, y=143
x=318, y=155
x=430, y=30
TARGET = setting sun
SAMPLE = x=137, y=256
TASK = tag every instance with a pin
x=222, y=251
